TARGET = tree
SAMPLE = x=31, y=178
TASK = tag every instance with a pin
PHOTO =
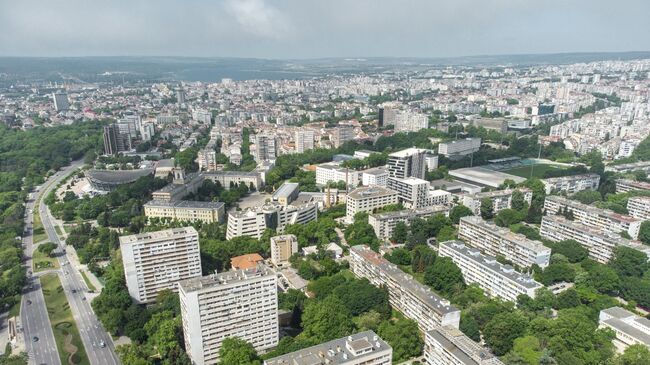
x=507, y=217
x=235, y=351
x=487, y=208
x=529, y=348
x=634, y=355
x=400, y=232
x=555, y=273
x=502, y=330
x=604, y=279
x=444, y=276
x=469, y=327
x=517, y=201
x=399, y=256
x=570, y=249
x=459, y=211
x=629, y=262
x=644, y=232
x=326, y=320
x=568, y=299
x=587, y=196
x=403, y=336
x=447, y=233
x=47, y=248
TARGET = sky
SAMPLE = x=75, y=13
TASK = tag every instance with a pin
x=306, y=29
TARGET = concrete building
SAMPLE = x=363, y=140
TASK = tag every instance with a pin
x=340, y=135
x=501, y=199
x=639, y=207
x=286, y=193
x=156, y=261
x=571, y=184
x=414, y=300
x=282, y=248
x=265, y=147
x=253, y=221
x=628, y=167
x=384, y=223
x=630, y=329
x=416, y=193
x=110, y=180
x=407, y=163
x=61, y=103
x=367, y=200
x=484, y=177
x=207, y=159
x=599, y=243
x=496, y=280
x=459, y=148
x=364, y=348
x=333, y=172
x=623, y=185
x=591, y=216
x=147, y=131
x=240, y=303
x=449, y=346
x=304, y=139
x=496, y=241
x=114, y=141
x=496, y=124
x=377, y=176
x=410, y=122
x=185, y=210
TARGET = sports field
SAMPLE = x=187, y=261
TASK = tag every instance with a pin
x=538, y=170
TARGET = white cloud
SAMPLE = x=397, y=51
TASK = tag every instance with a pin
x=259, y=18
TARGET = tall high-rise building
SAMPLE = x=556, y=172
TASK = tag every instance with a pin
x=240, y=303
x=60, y=101
x=114, y=141
x=180, y=96
x=265, y=147
x=147, y=130
x=282, y=247
x=340, y=135
x=408, y=162
x=304, y=140
x=155, y=261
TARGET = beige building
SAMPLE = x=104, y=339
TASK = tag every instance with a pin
x=639, y=207
x=623, y=185
x=186, y=210
x=155, y=261
x=254, y=221
x=630, y=329
x=449, y=346
x=368, y=199
x=501, y=199
x=571, y=184
x=384, y=223
x=282, y=248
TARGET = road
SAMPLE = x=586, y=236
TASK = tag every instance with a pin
x=34, y=317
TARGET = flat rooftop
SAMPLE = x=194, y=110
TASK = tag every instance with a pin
x=408, y=213
x=629, y=323
x=224, y=278
x=370, y=192
x=462, y=347
x=484, y=177
x=118, y=176
x=158, y=235
x=574, y=204
x=572, y=178
x=408, y=152
x=506, y=234
x=193, y=204
x=285, y=190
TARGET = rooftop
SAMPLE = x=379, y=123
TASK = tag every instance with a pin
x=370, y=192
x=376, y=171
x=504, y=233
x=629, y=323
x=185, y=204
x=118, y=176
x=408, y=152
x=462, y=347
x=483, y=176
x=158, y=235
x=408, y=213
x=247, y=261
x=591, y=209
x=285, y=190
x=225, y=278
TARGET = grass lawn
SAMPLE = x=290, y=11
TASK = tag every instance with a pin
x=58, y=230
x=538, y=170
x=39, y=231
x=42, y=261
x=90, y=285
x=66, y=334
x=14, y=311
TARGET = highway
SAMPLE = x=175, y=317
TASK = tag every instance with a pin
x=96, y=340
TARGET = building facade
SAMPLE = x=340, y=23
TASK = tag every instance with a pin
x=623, y=185
x=333, y=172
x=449, y=346
x=407, y=163
x=571, y=184
x=186, y=210
x=459, y=148
x=367, y=200
x=282, y=248
x=304, y=140
x=639, y=207
x=254, y=221
x=384, y=223
x=501, y=199
x=630, y=329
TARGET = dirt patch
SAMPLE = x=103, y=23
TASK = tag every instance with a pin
x=68, y=346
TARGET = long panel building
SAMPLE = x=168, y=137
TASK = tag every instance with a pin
x=155, y=261
x=599, y=243
x=495, y=279
x=623, y=185
x=501, y=199
x=384, y=223
x=364, y=348
x=630, y=329
x=253, y=221
x=240, y=303
x=591, y=216
x=498, y=241
x=449, y=346
x=186, y=210
x=416, y=301
x=571, y=184
x=639, y=207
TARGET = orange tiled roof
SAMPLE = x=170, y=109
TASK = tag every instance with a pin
x=245, y=261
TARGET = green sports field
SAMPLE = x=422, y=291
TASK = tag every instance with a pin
x=538, y=170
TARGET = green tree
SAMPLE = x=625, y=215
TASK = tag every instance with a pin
x=502, y=330
x=634, y=355
x=487, y=208
x=470, y=328
x=604, y=279
x=403, y=336
x=47, y=248
x=629, y=262
x=444, y=276
x=458, y=212
x=518, y=202
x=400, y=232
x=529, y=348
x=587, y=196
x=326, y=320
x=570, y=249
x=508, y=217
x=644, y=232
x=399, y=256
x=235, y=351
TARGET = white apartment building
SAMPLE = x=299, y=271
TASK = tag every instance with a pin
x=410, y=122
x=367, y=199
x=207, y=159
x=588, y=215
x=333, y=172
x=253, y=221
x=623, y=185
x=265, y=147
x=185, y=210
x=304, y=140
x=449, y=346
x=282, y=248
x=156, y=261
x=384, y=223
x=459, y=147
x=407, y=163
x=364, y=348
x=497, y=241
x=571, y=184
x=377, y=176
x=416, y=193
x=497, y=280
x=599, y=243
x=239, y=303
x=639, y=207
x=414, y=300
x=501, y=199
x=630, y=329
x=147, y=130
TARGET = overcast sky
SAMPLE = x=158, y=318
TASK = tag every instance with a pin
x=320, y=28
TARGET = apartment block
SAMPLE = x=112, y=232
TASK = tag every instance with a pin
x=186, y=210
x=384, y=223
x=623, y=185
x=374, y=176
x=591, y=216
x=639, y=207
x=501, y=199
x=497, y=241
x=459, y=148
x=416, y=301
x=368, y=199
x=599, y=243
x=407, y=163
x=304, y=140
x=156, y=261
x=340, y=135
x=253, y=221
x=333, y=172
x=497, y=280
x=364, y=348
x=265, y=147
x=571, y=184
x=207, y=159
x=630, y=329
x=239, y=303
x=282, y=248
x=449, y=346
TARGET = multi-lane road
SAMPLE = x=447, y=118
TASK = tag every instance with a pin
x=96, y=340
